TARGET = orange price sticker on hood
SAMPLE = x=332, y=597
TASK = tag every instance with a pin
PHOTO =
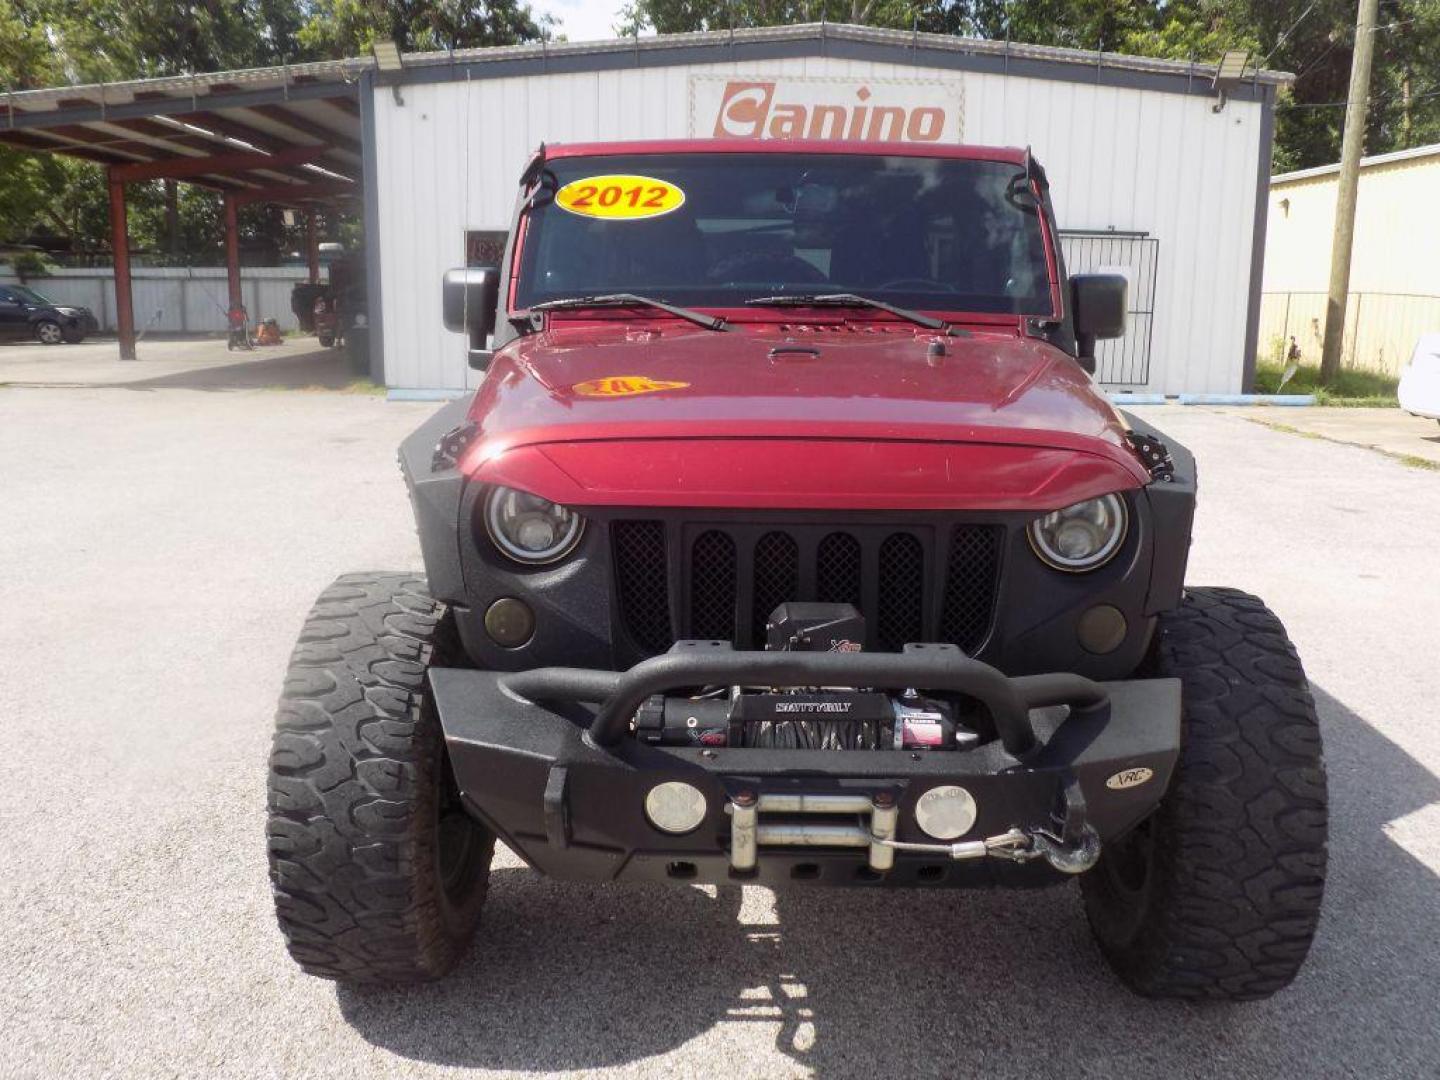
x=620, y=197
x=624, y=386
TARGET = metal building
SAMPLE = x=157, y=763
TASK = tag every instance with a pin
x=1158, y=168
x=1394, y=275
x=1154, y=169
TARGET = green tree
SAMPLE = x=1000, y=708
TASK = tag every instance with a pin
x=58, y=42
x=336, y=28
x=681, y=16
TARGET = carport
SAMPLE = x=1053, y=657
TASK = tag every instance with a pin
x=288, y=136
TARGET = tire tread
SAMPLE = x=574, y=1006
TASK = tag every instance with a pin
x=353, y=783
x=1240, y=849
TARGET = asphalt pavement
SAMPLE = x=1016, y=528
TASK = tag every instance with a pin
x=158, y=550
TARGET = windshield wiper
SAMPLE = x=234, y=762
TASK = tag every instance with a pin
x=851, y=300
x=625, y=299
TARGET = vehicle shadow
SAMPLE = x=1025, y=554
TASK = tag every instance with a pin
x=320, y=369
x=923, y=982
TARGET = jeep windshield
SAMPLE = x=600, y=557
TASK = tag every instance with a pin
x=720, y=230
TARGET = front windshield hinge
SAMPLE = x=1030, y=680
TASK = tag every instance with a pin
x=528, y=322
x=533, y=170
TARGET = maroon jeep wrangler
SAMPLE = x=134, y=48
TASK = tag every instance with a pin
x=788, y=539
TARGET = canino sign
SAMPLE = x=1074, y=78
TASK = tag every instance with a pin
x=865, y=110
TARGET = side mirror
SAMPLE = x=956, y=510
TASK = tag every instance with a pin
x=1098, y=304
x=470, y=296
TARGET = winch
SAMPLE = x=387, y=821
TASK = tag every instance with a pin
x=811, y=718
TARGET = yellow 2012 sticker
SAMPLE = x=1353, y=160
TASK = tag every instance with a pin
x=624, y=386
x=620, y=197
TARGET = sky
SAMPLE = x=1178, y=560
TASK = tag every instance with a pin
x=581, y=20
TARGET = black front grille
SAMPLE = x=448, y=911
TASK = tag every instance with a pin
x=901, y=614
x=712, y=586
x=913, y=583
x=837, y=570
x=776, y=578
x=970, y=586
x=642, y=583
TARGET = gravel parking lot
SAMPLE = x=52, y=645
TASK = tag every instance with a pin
x=167, y=363
x=158, y=551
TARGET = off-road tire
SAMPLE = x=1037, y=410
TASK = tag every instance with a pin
x=1217, y=896
x=48, y=332
x=378, y=875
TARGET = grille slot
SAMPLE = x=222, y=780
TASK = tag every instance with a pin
x=712, y=586
x=971, y=579
x=901, y=617
x=642, y=581
x=777, y=579
x=837, y=570
x=917, y=581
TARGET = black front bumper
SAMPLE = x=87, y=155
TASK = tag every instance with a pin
x=546, y=760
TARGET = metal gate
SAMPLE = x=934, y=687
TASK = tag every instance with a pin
x=1124, y=361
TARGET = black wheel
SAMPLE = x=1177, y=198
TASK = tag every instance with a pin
x=378, y=873
x=327, y=340
x=1217, y=895
x=48, y=332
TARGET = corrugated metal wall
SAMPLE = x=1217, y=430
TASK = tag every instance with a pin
x=1394, y=274
x=1397, y=231
x=175, y=299
x=449, y=159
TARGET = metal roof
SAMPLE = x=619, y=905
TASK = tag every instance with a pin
x=1414, y=153
x=1082, y=61
x=271, y=111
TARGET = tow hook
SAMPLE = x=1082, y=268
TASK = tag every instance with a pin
x=1017, y=845
x=1068, y=858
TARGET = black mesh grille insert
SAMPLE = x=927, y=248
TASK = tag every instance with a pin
x=712, y=586
x=777, y=579
x=642, y=582
x=970, y=583
x=837, y=570
x=901, y=617
x=912, y=582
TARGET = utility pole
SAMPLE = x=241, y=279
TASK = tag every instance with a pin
x=1352, y=145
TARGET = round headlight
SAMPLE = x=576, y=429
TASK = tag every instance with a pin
x=1083, y=536
x=530, y=529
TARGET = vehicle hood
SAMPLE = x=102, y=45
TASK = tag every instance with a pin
x=862, y=413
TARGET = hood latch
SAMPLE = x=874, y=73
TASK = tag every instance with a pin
x=1153, y=454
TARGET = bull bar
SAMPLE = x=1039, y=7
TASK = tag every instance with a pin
x=543, y=757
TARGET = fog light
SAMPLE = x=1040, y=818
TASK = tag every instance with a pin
x=946, y=812
x=509, y=622
x=1101, y=629
x=675, y=807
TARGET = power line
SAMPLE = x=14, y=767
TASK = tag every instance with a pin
x=1282, y=38
x=1341, y=104
x=1324, y=53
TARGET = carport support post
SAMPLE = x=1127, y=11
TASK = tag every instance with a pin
x=312, y=247
x=120, y=251
x=232, y=253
